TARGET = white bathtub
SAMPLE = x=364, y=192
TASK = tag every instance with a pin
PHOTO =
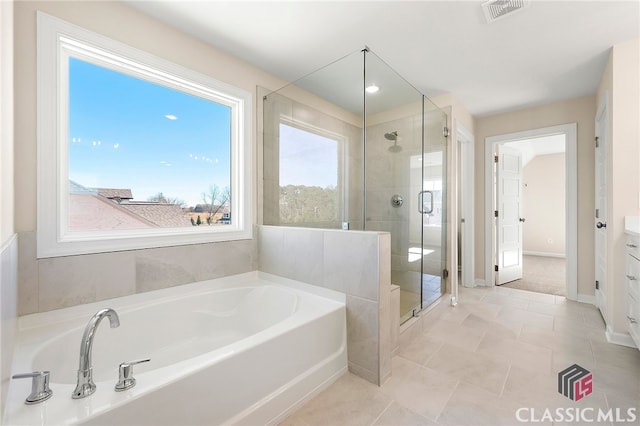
x=246, y=349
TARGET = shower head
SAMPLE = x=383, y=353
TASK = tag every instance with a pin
x=392, y=136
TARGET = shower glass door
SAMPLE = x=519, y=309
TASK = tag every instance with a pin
x=432, y=204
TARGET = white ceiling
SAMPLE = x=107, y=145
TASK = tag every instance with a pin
x=552, y=50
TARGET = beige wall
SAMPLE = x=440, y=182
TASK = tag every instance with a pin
x=581, y=111
x=6, y=120
x=544, y=205
x=58, y=282
x=457, y=114
x=620, y=82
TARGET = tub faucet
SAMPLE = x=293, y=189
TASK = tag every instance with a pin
x=85, y=386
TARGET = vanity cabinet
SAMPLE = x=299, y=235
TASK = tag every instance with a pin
x=633, y=278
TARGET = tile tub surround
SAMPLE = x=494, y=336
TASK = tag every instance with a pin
x=60, y=282
x=441, y=378
x=356, y=263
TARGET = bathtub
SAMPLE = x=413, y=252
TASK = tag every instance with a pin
x=246, y=349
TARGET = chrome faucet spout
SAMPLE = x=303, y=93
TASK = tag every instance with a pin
x=85, y=385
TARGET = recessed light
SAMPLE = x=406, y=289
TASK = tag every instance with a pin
x=372, y=88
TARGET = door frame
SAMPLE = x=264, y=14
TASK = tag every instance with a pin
x=570, y=130
x=602, y=131
x=467, y=229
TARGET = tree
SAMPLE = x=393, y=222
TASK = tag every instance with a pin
x=308, y=204
x=215, y=200
x=161, y=198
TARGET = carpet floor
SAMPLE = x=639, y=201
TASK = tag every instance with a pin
x=543, y=275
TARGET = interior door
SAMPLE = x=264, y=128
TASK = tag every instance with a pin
x=509, y=220
x=601, y=211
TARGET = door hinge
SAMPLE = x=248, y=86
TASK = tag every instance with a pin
x=495, y=268
x=496, y=158
x=495, y=213
x=445, y=132
x=597, y=285
x=597, y=142
x=445, y=274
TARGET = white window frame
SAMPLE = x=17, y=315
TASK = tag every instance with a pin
x=57, y=41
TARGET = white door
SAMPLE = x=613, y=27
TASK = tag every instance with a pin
x=601, y=211
x=509, y=219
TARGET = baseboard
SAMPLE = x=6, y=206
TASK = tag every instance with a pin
x=473, y=284
x=586, y=298
x=619, y=338
x=480, y=283
x=544, y=254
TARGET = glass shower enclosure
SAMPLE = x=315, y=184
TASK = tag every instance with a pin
x=355, y=146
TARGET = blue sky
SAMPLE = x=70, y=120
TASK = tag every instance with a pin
x=128, y=133
x=307, y=158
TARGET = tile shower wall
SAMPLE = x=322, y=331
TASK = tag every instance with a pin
x=395, y=173
x=53, y=283
x=8, y=314
x=353, y=262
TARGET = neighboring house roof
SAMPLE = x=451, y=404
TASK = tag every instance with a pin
x=95, y=213
x=162, y=214
x=115, y=193
x=204, y=208
x=101, y=209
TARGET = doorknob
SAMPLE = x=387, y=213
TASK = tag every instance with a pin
x=600, y=225
x=522, y=219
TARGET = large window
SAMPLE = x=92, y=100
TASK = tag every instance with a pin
x=134, y=151
x=309, y=176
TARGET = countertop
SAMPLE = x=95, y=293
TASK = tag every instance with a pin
x=632, y=225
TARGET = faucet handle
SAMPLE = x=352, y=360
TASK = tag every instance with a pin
x=125, y=374
x=40, y=390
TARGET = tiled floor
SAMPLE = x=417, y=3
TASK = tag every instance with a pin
x=497, y=352
x=431, y=291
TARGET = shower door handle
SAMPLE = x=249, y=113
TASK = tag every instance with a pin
x=421, y=202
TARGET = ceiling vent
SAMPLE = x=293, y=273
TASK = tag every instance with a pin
x=498, y=9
